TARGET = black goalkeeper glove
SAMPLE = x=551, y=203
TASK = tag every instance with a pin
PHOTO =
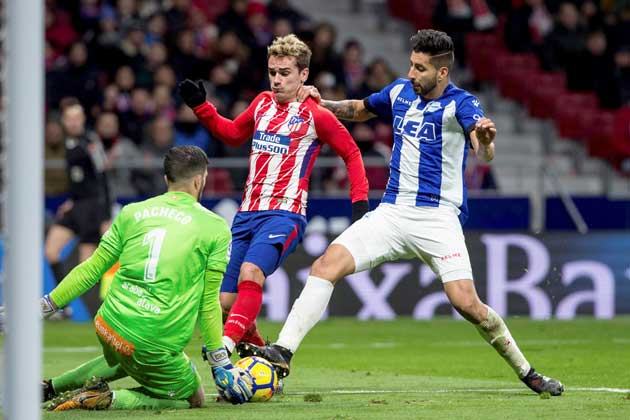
x=359, y=208
x=194, y=94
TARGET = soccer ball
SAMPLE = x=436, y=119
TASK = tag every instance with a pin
x=265, y=379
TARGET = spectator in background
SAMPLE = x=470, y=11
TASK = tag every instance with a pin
x=259, y=25
x=325, y=58
x=164, y=103
x=281, y=9
x=140, y=112
x=157, y=29
x=56, y=180
x=596, y=71
x=76, y=79
x=281, y=27
x=188, y=131
x=528, y=24
x=235, y=20
x=133, y=46
x=121, y=154
x=379, y=75
x=184, y=60
x=125, y=82
x=149, y=180
x=456, y=18
x=165, y=75
x=353, y=67
x=156, y=56
x=566, y=42
x=60, y=32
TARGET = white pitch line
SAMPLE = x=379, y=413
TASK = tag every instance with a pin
x=444, y=391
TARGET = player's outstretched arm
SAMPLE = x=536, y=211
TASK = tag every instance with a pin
x=233, y=133
x=332, y=132
x=79, y=280
x=348, y=109
x=482, y=138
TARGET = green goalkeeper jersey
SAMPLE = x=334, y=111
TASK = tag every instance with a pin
x=165, y=246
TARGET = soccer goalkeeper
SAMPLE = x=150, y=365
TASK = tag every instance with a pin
x=172, y=253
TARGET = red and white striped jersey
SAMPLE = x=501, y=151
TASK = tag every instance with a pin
x=286, y=139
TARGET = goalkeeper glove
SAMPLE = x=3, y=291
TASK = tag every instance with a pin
x=233, y=384
x=359, y=208
x=194, y=94
x=48, y=307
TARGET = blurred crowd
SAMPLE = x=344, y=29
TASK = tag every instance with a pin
x=587, y=39
x=123, y=59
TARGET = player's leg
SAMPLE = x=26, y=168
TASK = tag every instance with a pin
x=493, y=329
x=57, y=238
x=76, y=378
x=248, y=301
x=448, y=258
x=167, y=381
x=275, y=236
x=367, y=243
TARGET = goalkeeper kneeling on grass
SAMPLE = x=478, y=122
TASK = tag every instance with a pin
x=172, y=253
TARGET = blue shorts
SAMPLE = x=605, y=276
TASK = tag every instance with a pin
x=263, y=238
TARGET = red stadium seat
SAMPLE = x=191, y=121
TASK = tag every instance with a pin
x=512, y=71
x=597, y=129
x=568, y=110
x=621, y=132
x=542, y=88
x=481, y=49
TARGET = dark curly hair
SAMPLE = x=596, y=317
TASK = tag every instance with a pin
x=438, y=45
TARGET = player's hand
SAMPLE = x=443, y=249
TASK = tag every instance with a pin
x=485, y=131
x=49, y=308
x=193, y=94
x=64, y=207
x=234, y=385
x=217, y=358
x=307, y=90
x=359, y=208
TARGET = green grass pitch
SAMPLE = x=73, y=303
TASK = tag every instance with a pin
x=405, y=369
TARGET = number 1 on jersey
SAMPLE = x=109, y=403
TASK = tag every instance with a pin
x=154, y=239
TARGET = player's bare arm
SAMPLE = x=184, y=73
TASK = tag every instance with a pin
x=349, y=109
x=482, y=138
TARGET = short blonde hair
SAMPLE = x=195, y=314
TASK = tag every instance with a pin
x=291, y=46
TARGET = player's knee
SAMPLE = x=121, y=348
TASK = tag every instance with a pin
x=197, y=399
x=52, y=254
x=227, y=300
x=333, y=265
x=251, y=272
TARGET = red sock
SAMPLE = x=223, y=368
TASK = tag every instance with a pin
x=244, y=311
x=253, y=336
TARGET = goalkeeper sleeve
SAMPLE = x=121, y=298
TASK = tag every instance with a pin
x=83, y=277
x=210, y=315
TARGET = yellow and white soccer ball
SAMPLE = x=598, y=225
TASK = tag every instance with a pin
x=265, y=379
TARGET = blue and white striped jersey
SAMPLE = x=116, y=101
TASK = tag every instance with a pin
x=431, y=142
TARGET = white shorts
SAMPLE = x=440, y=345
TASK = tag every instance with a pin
x=392, y=232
